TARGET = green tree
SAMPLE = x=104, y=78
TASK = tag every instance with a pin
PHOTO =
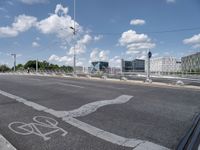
x=30, y=64
x=19, y=67
x=43, y=65
x=4, y=68
x=67, y=68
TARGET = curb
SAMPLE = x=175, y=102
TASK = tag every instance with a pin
x=5, y=145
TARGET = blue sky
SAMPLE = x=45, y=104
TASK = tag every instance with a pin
x=106, y=30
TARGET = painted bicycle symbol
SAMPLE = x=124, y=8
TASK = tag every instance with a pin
x=40, y=124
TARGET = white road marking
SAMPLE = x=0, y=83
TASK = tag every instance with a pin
x=72, y=85
x=92, y=107
x=107, y=136
x=32, y=128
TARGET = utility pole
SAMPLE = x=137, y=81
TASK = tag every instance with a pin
x=36, y=66
x=14, y=56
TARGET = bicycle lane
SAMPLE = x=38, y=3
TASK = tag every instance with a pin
x=25, y=129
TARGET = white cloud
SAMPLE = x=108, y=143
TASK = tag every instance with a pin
x=97, y=38
x=94, y=55
x=30, y=2
x=54, y=58
x=115, y=62
x=155, y=55
x=81, y=44
x=135, y=42
x=170, y=1
x=194, y=41
x=103, y=55
x=35, y=44
x=142, y=55
x=67, y=60
x=99, y=55
x=21, y=24
x=137, y=22
x=59, y=24
x=60, y=10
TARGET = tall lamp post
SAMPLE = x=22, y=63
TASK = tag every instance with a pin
x=14, y=56
x=74, y=33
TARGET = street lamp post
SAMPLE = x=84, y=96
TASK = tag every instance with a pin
x=74, y=33
x=14, y=56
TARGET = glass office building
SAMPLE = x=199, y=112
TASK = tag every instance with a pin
x=137, y=65
x=100, y=66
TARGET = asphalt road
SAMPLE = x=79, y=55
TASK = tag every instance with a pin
x=154, y=115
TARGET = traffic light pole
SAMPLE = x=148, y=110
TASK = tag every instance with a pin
x=148, y=76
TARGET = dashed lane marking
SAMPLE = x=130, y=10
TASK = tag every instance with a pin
x=68, y=117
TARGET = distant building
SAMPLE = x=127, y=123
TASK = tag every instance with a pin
x=100, y=66
x=79, y=69
x=191, y=63
x=137, y=65
x=127, y=66
x=114, y=70
x=164, y=65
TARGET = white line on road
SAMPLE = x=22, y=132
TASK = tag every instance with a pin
x=92, y=107
x=66, y=84
x=107, y=136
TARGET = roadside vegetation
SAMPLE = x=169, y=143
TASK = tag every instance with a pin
x=42, y=65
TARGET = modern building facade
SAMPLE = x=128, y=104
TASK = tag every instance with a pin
x=164, y=65
x=99, y=66
x=137, y=65
x=127, y=66
x=191, y=63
